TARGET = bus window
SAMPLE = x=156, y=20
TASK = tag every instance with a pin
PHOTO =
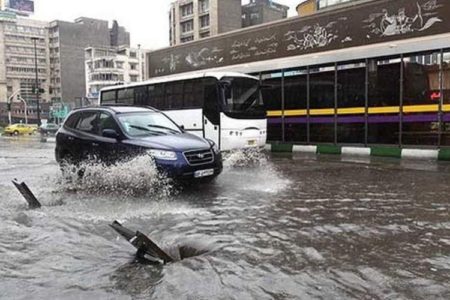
x=141, y=96
x=125, y=96
x=193, y=94
x=156, y=96
x=108, y=97
x=174, y=93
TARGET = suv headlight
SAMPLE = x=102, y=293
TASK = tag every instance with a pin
x=163, y=154
x=214, y=146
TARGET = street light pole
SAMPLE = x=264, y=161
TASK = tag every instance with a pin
x=36, y=88
x=9, y=103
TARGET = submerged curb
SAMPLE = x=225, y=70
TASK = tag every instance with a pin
x=377, y=151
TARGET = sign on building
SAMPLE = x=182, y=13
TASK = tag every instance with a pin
x=21, y=6
x=7, y=16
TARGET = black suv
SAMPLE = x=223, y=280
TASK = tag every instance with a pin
x=112, y=134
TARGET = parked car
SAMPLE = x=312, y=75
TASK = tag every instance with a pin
x=16, y=129
x=112, y=134
x=49, y=128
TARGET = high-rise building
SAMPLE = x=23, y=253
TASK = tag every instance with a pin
x=17, y=58
x=68, y=42
x=60, y=48
x=262, y=11
x=195, y=19
x=111, y=66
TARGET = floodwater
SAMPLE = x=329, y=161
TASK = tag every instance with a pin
x=270, y=227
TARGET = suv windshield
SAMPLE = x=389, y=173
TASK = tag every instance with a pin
x=151, y=123
x=242, y=97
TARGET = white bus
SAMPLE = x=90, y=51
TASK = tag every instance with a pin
x=226, y=107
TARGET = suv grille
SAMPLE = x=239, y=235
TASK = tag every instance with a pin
x=199, y=157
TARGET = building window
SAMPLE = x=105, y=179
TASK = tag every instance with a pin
x=133, y=54
x=133, y=78
x=203, y=6
x=187, y=9
x=204, y=21
x=187, y=26
x=187, y=39
x=204, y=34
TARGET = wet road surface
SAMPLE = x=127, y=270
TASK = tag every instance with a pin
x=272, y=226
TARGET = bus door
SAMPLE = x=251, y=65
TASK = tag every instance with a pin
x=141, y=96
x=211, y=113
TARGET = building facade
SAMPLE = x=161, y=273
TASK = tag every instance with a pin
x=112, y=66
x=262, y=11
x=18, y=64
x=68, y=41
x=196, y=19
x=375, y=73
x=311, y=6
x=60, y=50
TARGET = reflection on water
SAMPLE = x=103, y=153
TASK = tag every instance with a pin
x=270, y=227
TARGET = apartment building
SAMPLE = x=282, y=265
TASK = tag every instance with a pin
x=262, y=11
x=111, y=66
x=196, y=19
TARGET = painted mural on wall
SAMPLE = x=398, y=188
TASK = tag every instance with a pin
x=254, y=47
x=316, y=36
x=373, y=22
x=387, y=23
x=204, y=56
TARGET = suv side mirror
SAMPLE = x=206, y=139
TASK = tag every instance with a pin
x=181, y=127
x=110, y=133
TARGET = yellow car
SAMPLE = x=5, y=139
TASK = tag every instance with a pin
x=16, y=129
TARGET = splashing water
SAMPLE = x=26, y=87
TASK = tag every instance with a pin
x=136, y=177
x=253, y=157
x=256, y=171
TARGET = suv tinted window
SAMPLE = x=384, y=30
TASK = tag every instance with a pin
x=106, y=121
x=88, y=122
x=72, y=121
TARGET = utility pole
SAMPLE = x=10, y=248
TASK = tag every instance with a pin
x=36, y=88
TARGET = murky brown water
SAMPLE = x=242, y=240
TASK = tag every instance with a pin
x=283, y=228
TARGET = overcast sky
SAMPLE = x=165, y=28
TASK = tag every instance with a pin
x=146, y=20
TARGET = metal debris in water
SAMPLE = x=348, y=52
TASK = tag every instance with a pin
x=142, y=243
x=33, y=203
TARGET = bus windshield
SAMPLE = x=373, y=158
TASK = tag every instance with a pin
x=242, y=98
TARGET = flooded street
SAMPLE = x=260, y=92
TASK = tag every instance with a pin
x=272, y=226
